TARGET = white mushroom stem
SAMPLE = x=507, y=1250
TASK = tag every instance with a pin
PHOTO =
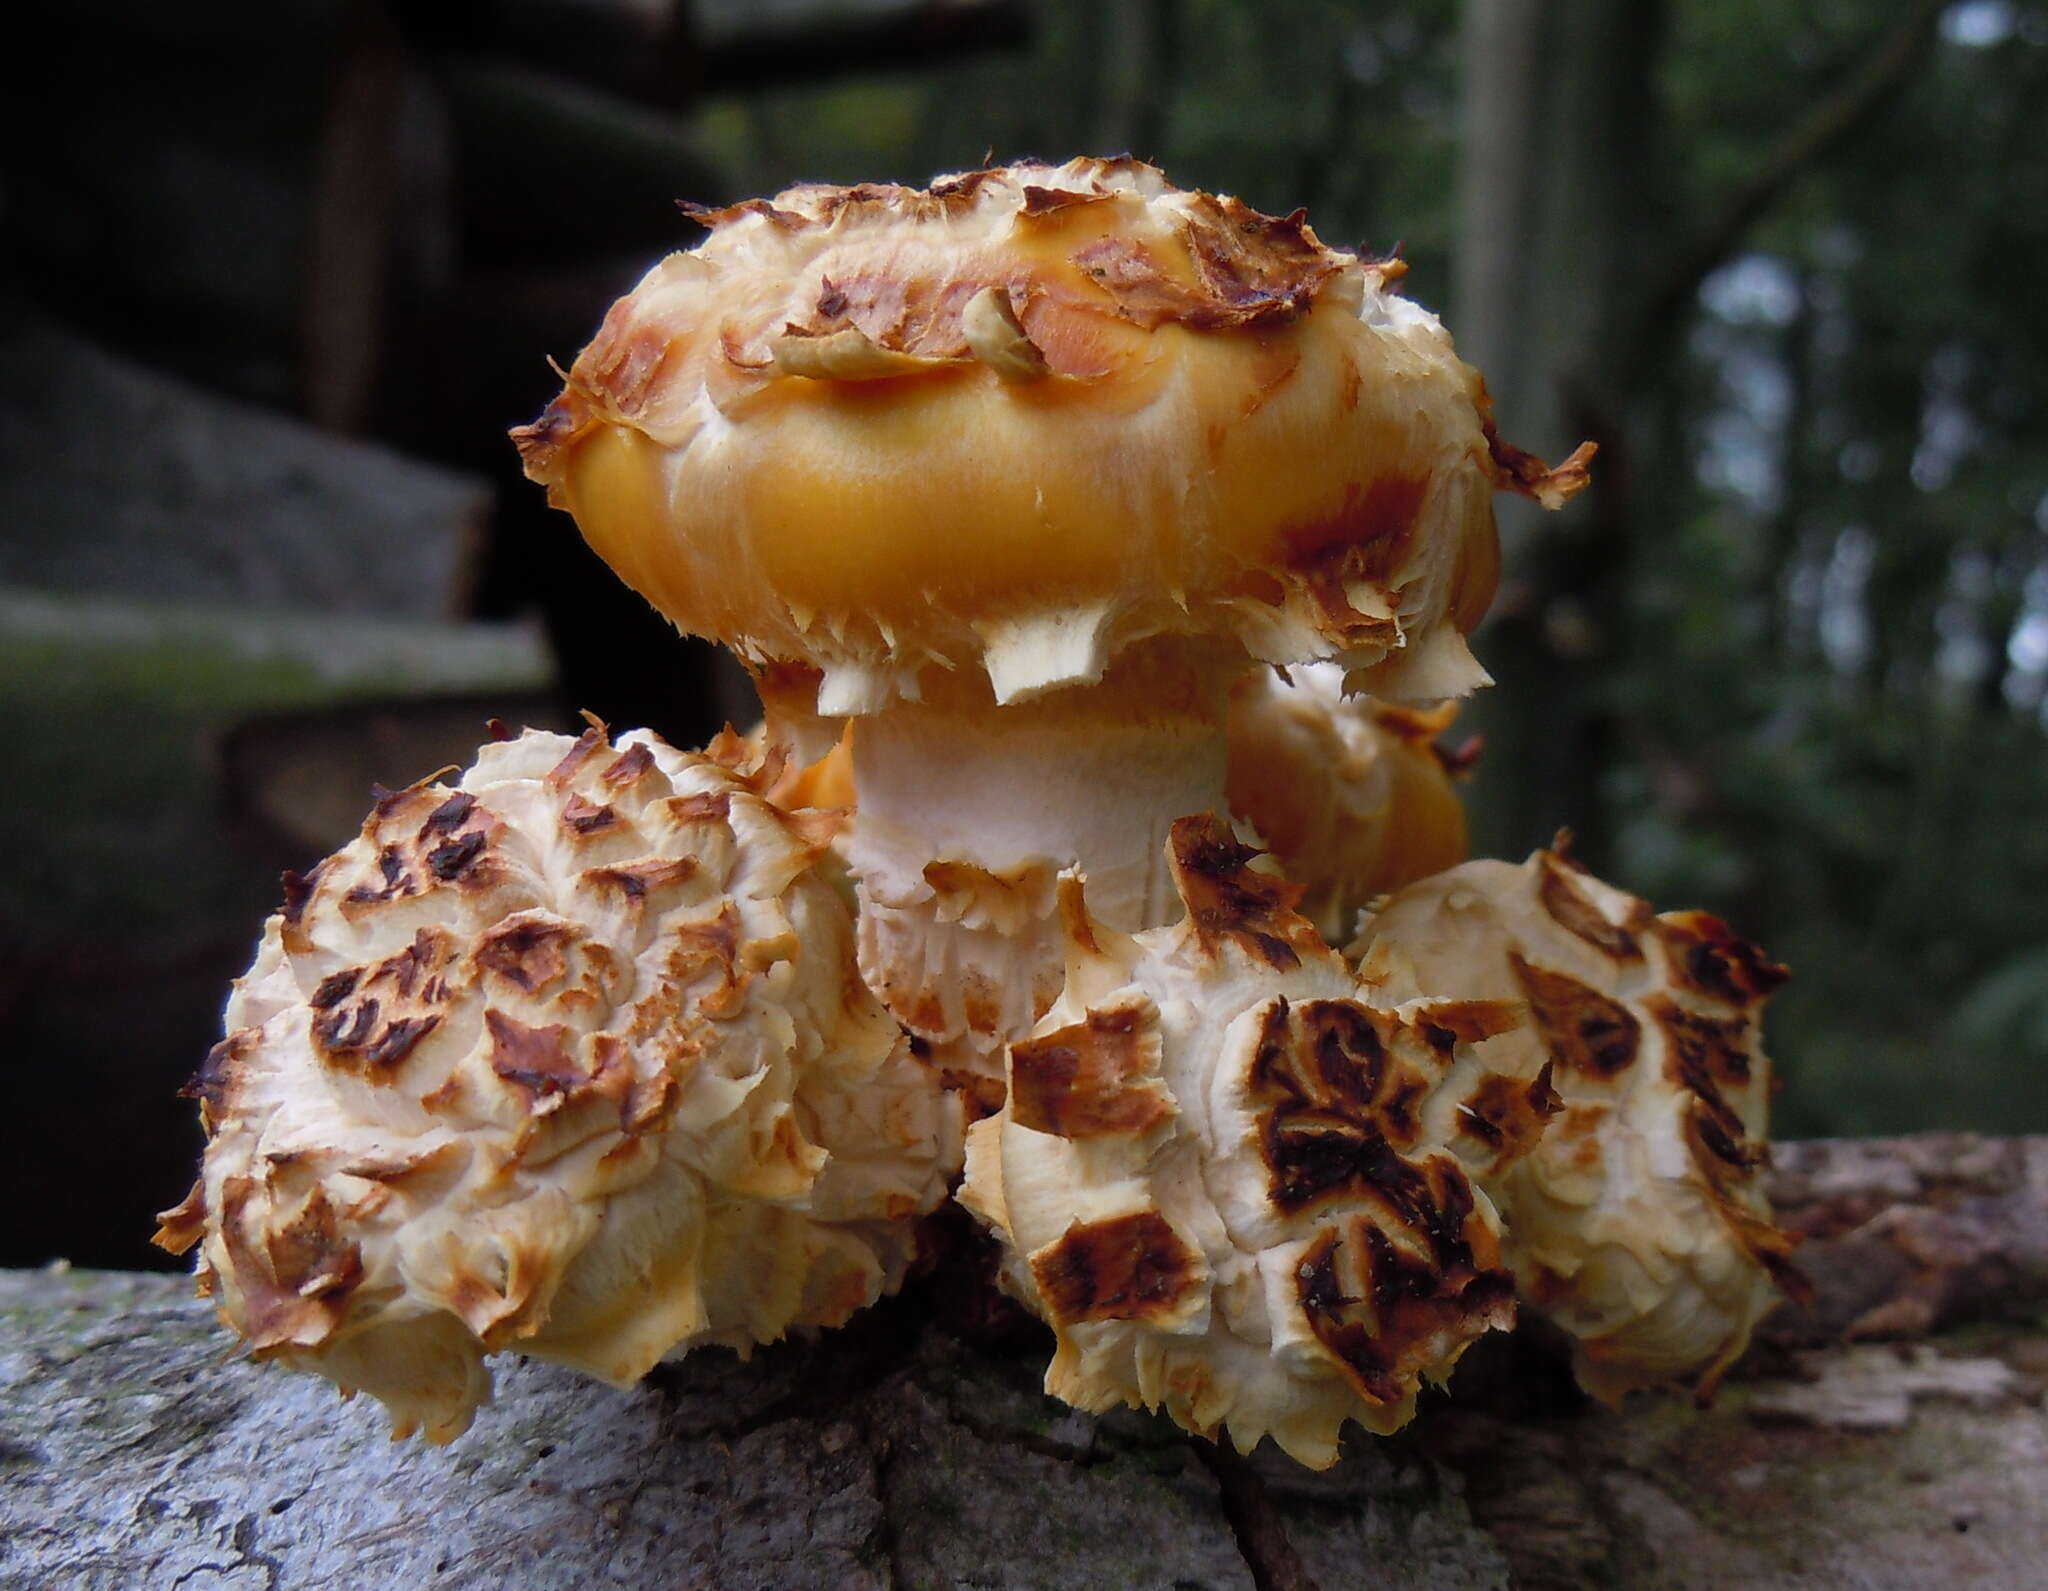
x=1000, y=793
x=969, y=812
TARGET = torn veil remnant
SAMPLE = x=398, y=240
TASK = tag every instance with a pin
x=1021, y=472
x=1639, y=1224
x=563, y=1058
x=1234, y=1187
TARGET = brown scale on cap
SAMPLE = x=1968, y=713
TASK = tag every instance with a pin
x=1227, y=899
x=426, y=837
x=213, y=1084
x=629, y=768
x=533, y=1059
x=586, y=746
x=1589, y=1033
x=635, y=882
x=1095, y=1078
x=583, y=817
x=1247, y=269
x=299, y=889
x=1386, y=1312
x=296, y=1273
x=1339, y=1109
x=1722, y=1155
x=1131, y=1267
x=453, y=857
x=706, y=953
x=414, y=1170
x=369, y=1019
x=1526, y=473
x=1445, y=1024
x=712, y=808
x=449, y=815
x=1706, y=1052
x=1570, y=908
x=529, y=950
x=1716, y=961
x=1508, y=1115
x=184, y=1224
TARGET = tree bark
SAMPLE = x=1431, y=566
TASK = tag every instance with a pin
x=910, y=1450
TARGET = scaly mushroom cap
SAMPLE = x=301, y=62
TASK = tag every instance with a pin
x=1025, y=418
x=1639, y=1224
x=1353, y=795
x=1236, y=1190
x=571, y=1058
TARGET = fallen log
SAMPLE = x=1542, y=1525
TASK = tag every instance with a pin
x=914, y=1448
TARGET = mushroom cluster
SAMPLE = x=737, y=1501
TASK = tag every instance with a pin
x=1078, y=532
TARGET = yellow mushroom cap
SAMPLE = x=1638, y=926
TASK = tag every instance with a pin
x=1639, y=1223
x=569, y=1057
x=1023, y=419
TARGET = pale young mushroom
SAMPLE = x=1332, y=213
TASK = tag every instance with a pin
x=1639, y=1224
x=1235, y=1188
x=566, y=1058
x=1354, y=797
x=1020, y=473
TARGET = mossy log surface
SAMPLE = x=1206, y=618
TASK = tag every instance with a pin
x=1894, y=1437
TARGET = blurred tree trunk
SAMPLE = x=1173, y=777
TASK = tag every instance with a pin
x=1781, y=531
x=1574, y=288
x=1558, y=136
x=1141, y=62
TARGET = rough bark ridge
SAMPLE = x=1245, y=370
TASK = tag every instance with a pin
x=915, y=1450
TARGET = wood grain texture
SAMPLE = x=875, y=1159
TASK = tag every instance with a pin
x=914, y=1450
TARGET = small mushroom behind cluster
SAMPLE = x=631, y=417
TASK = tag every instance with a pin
x=1639, y=1224
x=1354, y=796
x=1236, y=1190
x=566, y=1058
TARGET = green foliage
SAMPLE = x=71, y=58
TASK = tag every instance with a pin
x=1831, y=737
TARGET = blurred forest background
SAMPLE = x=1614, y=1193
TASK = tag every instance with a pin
x=274, y=282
